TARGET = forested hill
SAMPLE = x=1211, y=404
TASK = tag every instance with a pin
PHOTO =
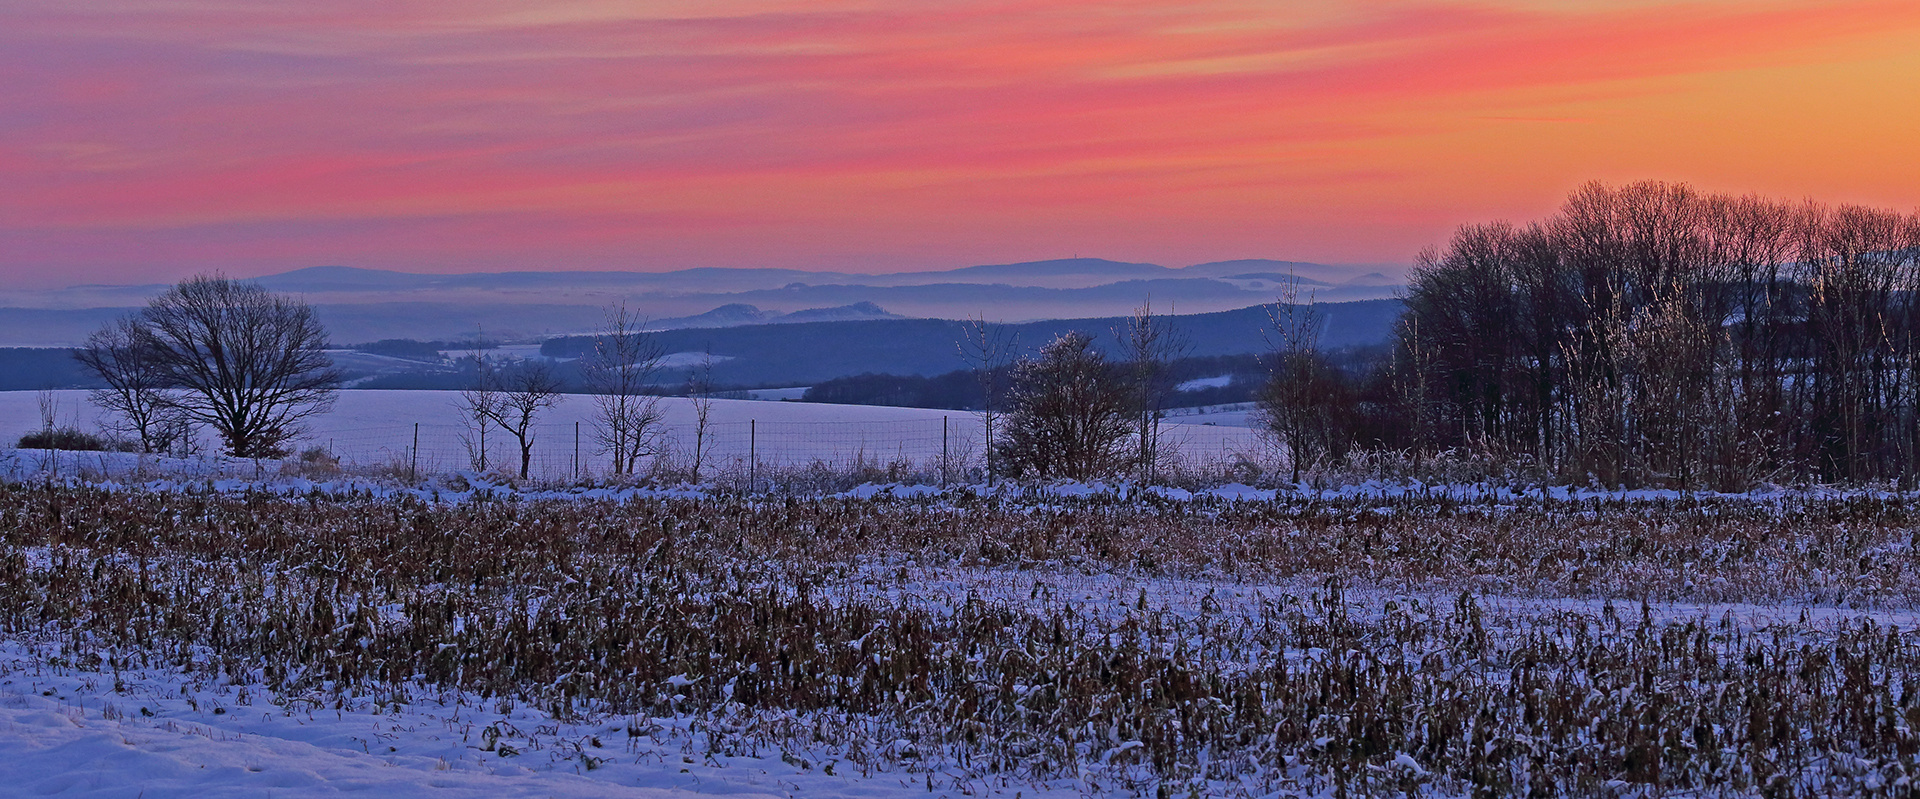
x=802, y=354
x=35, y=368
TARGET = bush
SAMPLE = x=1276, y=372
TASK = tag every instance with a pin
x=425, y=351
x=1069, y=414
x=72, y=439
x=313, y=462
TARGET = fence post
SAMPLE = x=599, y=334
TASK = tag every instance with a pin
x=576, y=450
x=944, y=463
x=1153, y=451
x=413, y=468
x=989, y=423
x=753, y=453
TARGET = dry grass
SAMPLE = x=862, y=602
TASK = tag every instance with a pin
x=750, y=616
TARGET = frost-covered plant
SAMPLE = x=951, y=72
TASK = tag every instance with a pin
x=765, y=622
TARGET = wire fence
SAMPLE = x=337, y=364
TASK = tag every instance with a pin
x=952, y=445
x=414, y=434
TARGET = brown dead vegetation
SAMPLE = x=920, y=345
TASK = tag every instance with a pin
x=747, y=615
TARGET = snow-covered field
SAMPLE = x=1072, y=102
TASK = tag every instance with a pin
x=376, y=428
x=161, y=734
x=893, y=640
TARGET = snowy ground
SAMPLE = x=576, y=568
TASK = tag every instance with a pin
x=155, y=733
x=70, y=726
x=239, y=475
x=1111, y=595
x=160, y=734
x=378, y=428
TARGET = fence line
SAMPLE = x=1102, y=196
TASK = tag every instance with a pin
x=570, y=450
x=424, y=433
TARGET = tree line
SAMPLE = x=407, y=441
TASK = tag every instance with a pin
x=1649, y=334
x=1644, y=335
x=1653, y=334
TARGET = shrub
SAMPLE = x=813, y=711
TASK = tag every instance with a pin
x=71, y=439
x=313, y=462
x=1069, y=417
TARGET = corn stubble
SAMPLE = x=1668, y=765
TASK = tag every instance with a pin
x=761, y=620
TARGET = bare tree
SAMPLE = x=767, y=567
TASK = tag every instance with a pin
x=1467, y=315
x=987, y=349
x=700, y=392
x=1303, y=403
x=49, y=406
x=620, y=372
x=526, y=390
x=1068, y=413
x=1150, y=344
x=136, y=394
x=1411, y=368
x=1858, y=266
x=247, y=362
x=479, y=404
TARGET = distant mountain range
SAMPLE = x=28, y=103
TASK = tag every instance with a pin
x=740, y=313
x=802, y=354
x=1058, y=273
x=360, y=305
x=788, y=350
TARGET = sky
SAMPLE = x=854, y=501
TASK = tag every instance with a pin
x=145, y=140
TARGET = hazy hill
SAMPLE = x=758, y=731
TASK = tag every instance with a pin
x=740, y=313
x=360, y=305
x=800, y=354
x=787, y=351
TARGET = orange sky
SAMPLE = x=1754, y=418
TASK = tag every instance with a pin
x=144, y=140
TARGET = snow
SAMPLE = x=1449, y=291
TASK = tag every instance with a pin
x=793, y=393
x=159, y=732
x=47, y=749
x=165, y=734
x=689, y=360
x=1205, y=382
x=1238, y=417
x=504, y=352
x=216, y=473
x=378, y=428
x=1116, y=595
x=1242, y=491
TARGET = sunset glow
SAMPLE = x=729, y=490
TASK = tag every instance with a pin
x=146, y=140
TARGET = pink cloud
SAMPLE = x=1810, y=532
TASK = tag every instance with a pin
x=291, y=134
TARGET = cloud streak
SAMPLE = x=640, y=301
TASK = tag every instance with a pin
x=138, y=138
